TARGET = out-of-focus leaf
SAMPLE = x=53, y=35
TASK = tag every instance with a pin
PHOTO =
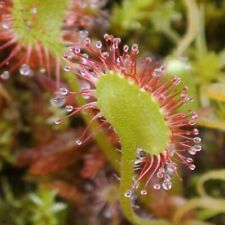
x=216, y=91
x=212, y=175
x=207, y=118
x=207, y=202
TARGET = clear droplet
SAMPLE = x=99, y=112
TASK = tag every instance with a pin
x=157, y=186
x=198, y=148
x=191, y=122
x=192, y=167
x=136, y=185
x=126, y=48
x=69, y=108
x=57, y=121
x=144, y=192
x=135, y=48
x=87, y=41
x=25, y=70
x=57, y=101
x=167, y=185
x=197, y=139
x=192, y=151
x=195, y=131
x=63, y=91
x=42, y=70
x=67, y=68
x=98, y=44
x=176, y=80
x=78, y=142
x=34, y=10
x=5, y=25
x=5, y=75
x=189, y=160
x=159, y=175
x=128, y=194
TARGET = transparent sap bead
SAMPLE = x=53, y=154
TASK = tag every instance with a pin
x=191, y=122
x=34, y=10
x=108, y=213
x=98, y=44
x=69, y=54
x=162, y=170
x=192, y=167
x=126, y=48
x=160, y=175
x=87, y=41
x=67, y=68
x=136, y=185
x=78, y=142
x=77, y=50
x=63, y=91
x=128, y=194
x=192, y=151
x=194, y=115
x=176, y=80
x=167, y=185
x=83, y=33
x=144, y=192
x=5, y=75
x=5, y=25
x=134, y=47
x=115, y=46
x=57, y=101
x=198, y=148
x=57, y=121
x=156, y=72
x=189, y=160
x=157, y=186
x=69, y=108
x=42, y=70
x=25, y=70
x=195, y=131
x=197, y=139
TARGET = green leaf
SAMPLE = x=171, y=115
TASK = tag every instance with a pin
x=43, y=26
x=133, y=112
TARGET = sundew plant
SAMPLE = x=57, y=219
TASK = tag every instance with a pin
x=112, y=112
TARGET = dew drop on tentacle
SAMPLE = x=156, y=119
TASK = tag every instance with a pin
x=192, y=151
x=5, y=75
x=128, y=194
x=5, y=25
x=144, y=192
x=166, y=184
x=25, y=70
x=78, y=142
x=67, y=68
x=176, y=80
x=69, y=108
x=57, y=121
x=63, y=91
x=197, y=140
x=98, y=44
x=192, y=167
x=157, y=186
x=57, y=101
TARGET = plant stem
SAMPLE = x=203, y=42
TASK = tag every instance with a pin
x=129, y=154
x=193, y=26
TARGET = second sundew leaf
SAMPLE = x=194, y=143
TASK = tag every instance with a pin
x=134, y=113
x=38, y=21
